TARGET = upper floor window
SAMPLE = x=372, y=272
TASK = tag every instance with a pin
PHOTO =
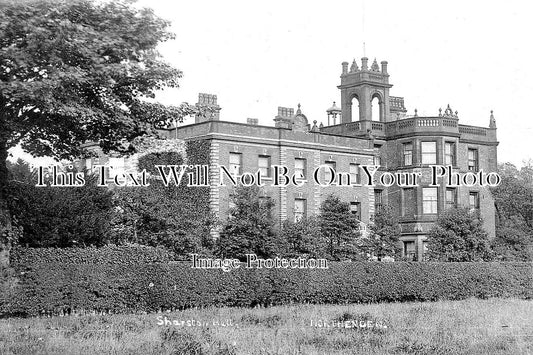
x=429, y=200
x=451, y=197
x=378, y=199
x=300, y=168
x=408, y=153
x=235, y=163
x=473, y=160
x=429, y=152
x=377, y=154
x=330, y=165
x=264, y=165
x=449, y=153
x=355, y=176
x=408, y=201
x=299, y=209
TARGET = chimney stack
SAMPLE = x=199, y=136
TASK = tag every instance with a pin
x=384, y=64
x=364, y=64
x=207, y=102
x=344, y=68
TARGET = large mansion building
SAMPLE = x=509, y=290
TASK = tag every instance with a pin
x=352, y=138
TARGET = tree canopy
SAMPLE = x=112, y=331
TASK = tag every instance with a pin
x=77, y=71
x=514, y=206
x=249, y=228
x=73, y=71
x=459, y=236
x=339, y=228
x=59, y=216
x=514, y=196
x=303, y=238
x=384, y=239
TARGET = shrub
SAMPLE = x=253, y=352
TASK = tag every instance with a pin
x=303, y=238
x=249, y=227
x=61, y=216
x=48, y=284
x=459, y=236
x=339, y=230
x=384, y=234
x=512, y=244
x=109, y=254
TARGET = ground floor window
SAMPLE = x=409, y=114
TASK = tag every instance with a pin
x=409, y=250
x=299, y=209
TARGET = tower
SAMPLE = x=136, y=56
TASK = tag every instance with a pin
x=364, y=85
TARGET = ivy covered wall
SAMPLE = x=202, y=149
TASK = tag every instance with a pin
x=177, y=217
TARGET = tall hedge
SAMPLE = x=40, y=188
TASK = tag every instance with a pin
x=51, y=286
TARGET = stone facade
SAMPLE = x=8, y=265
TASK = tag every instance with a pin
x=395, y=141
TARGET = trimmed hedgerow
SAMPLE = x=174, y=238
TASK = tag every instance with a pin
x=52, y=288
x=108, y=254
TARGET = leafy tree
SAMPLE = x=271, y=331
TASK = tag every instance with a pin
x=384, y=234
x=21, y=172
x=60, y=216
x=459, y=236
x=339, y=228
x=73, y=71
x=249, y=228
x=514, y=206
x=514, y=196
x=303, y=238
x=512, y=244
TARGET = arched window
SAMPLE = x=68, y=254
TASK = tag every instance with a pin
x=376, y=108
x=355, y=109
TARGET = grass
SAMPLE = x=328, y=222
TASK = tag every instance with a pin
x=494, y=326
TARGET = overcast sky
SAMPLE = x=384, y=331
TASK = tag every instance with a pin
x=256, y=56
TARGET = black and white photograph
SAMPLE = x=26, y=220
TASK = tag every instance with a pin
x=271, y=178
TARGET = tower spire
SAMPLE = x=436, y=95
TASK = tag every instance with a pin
x=363, y=26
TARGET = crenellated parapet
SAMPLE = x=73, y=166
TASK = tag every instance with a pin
x=374, y=74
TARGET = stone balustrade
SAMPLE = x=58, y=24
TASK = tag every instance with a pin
x=431, y=125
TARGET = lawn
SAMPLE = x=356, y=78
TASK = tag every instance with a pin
x=494, y=326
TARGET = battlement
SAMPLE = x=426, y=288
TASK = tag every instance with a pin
x=364, y=66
